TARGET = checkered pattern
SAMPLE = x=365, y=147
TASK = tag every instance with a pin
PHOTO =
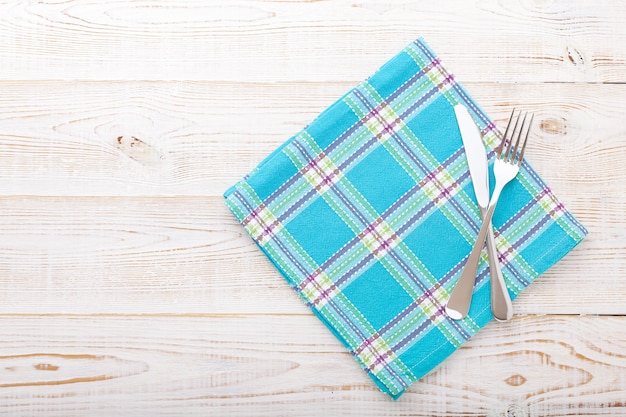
x=261, y=224
x=318, y=288
x=369, y=214
x=440, y=186
x=321, y=173
x=383, y=122
x=379, y=238
x=374, y=352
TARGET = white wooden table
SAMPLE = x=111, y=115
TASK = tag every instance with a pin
x=127, y=288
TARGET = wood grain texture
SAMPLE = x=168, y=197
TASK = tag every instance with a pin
x=257, y=40
x=126, y=286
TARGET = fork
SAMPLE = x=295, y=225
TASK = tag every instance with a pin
x=505, y=168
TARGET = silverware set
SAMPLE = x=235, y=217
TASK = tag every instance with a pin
x=509, y=156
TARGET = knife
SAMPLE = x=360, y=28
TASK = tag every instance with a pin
x=460, y=300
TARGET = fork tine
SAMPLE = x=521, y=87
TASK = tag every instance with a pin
x=498, y=149
x=508, y=155
x=515, y=150
x=521, y=154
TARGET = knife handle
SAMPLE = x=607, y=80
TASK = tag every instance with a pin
x=501, y=305
x=458, y=304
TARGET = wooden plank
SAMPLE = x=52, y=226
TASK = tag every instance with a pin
x=198, y=138
x=188, y=254
x=256, y=40
x=291, y=365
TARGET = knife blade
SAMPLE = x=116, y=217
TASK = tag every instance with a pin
x=476, y=154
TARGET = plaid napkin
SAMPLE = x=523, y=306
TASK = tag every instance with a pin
x=369, y=213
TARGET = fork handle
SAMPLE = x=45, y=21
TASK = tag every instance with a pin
x=501, y=306
x=459, y=302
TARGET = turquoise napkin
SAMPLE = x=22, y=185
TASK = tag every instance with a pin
x=369, y=214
